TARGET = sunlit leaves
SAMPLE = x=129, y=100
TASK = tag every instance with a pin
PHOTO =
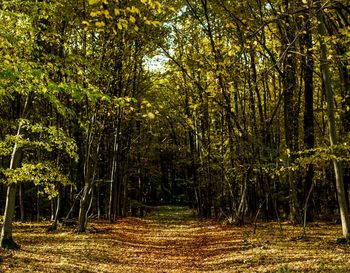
x=15, y=45
x=39, y=137
x=134, y=108
x=133, y=9
x=321, y=156
x=100, y=24
x=132, y=19
x=45, y=174
x=115, y=16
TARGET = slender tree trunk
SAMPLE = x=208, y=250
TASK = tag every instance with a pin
x=15, y=162
x=53, y=227
x=87, y=182
x=6, y=231
x=53, y=208
x=291, y=113
x=307, y=64
x=21, y=202
x=98, y=207
x=343, y=209
x=91, y=197
x=242, y=203
x=115, y=194
x=343, y=65
x=83, y=208
x=119, y=193
x=88, y=146
x=113, y=185
x=37, y=204
x=125, y=195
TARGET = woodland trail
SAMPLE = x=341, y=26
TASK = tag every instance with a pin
x=172, y=240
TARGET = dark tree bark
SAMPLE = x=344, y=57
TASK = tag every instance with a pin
x=291, y=107
x=307, y=68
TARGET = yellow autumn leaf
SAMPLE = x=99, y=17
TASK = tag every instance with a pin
x=107, y=15
x=135, y=10
x=117, y=12
x=100, y=24
x=132, y=19
x=156, y=23
x=92, y=2
x=151, y=115
x=288, y=152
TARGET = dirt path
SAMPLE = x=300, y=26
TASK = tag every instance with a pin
x=171, y=240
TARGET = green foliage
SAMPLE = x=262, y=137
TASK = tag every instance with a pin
x=16, y=37
x=44, y=174
x=116, y=17
x=47, y=139
x=321, y=156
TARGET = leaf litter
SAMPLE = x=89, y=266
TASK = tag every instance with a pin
x=173, y=240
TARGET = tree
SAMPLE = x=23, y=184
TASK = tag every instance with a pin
x=338, y=169
x=24, y=84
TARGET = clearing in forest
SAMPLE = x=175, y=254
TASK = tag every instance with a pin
x=173, y=240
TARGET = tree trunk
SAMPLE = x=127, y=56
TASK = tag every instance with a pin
x=98, y=207
x=112, y=211
x=21, y=203
x=343, y=209
x=242, y=203
x=291, y=108
x=6, y=231
x=307, y=64
x=37, y=204
x=83, y=208
x=53, y=227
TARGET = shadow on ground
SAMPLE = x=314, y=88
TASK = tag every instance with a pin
x=172, y=239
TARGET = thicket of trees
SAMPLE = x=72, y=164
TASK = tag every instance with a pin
x=249, y=115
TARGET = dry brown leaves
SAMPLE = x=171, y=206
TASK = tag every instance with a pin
x=173, y=241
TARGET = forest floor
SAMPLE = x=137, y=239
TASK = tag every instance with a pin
x=172, y=240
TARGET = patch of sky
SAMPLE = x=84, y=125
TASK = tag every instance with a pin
x=158, y=62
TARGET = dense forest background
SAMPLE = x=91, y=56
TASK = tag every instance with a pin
x=240, y=109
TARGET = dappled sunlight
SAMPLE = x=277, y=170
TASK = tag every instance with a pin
x=177, y=242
